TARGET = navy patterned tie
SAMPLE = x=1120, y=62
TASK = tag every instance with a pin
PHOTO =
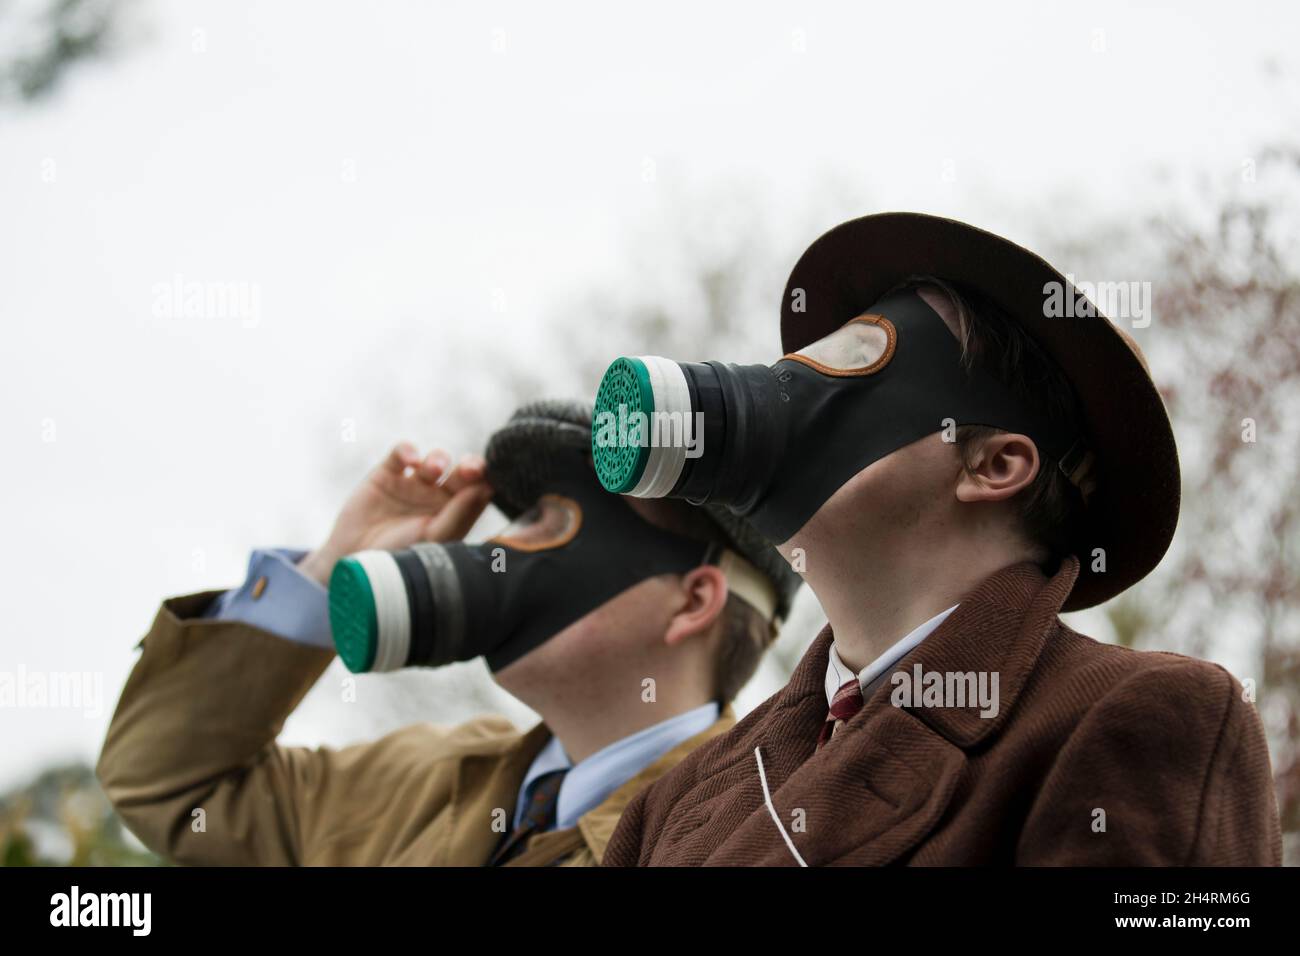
x=538, y=816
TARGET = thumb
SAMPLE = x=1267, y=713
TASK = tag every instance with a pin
x=458, y=515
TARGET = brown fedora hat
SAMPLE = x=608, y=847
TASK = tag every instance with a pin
x=1134, y=509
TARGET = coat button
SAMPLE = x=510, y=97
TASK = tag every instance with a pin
x=258, y=587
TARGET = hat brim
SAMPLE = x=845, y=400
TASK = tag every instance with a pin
x=1134, y=510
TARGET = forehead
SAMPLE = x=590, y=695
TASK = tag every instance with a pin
x=940, y=301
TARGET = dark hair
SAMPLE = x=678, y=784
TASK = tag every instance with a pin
x=1051, y=508
x=744, y=634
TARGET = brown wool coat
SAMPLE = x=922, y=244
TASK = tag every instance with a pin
x=195, y=731
x=1165, y=745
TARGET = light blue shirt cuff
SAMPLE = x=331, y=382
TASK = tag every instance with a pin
x=278, y=598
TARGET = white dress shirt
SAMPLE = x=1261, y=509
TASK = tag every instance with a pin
x=838, y=673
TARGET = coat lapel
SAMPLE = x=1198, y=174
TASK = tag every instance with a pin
x=883, y=783
x=999, y=629
x=487, y=785
x=866, y=798
x=598, y=824
x=874, y=791
x=487, y=782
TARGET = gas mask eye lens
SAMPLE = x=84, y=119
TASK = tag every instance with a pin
x=859, y=347
x=551, y=523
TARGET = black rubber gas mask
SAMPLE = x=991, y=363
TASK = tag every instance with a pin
x=773, y=443
x=432, y=604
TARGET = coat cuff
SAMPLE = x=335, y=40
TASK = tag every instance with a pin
x=278, y=598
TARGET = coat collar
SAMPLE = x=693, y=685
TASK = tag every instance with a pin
x=484, y=794
x=999, y=628
x=597, y=825
x=488, y=782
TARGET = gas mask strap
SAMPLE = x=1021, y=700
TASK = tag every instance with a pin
x=1076, y=464
x=748, y=583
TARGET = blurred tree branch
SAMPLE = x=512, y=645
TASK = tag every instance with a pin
x=1225, y=346
x=49, y=38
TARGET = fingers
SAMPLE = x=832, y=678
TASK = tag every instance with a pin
x=434, y=465
x=468, y=471
x=459, y=514
x=402, y=456
x=433, y=479
x=432, y=468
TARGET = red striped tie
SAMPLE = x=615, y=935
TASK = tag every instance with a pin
x=844, y=705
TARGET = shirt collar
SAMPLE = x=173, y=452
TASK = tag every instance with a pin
x=590, y=781
x=838, y=673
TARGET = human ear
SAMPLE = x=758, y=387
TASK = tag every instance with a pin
x=702, y=595
x=1003, y=464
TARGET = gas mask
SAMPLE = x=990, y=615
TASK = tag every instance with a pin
x=432, y=604
x=773, y=443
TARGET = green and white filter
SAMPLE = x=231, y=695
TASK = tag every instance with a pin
x=641, y=401
x=370, y=613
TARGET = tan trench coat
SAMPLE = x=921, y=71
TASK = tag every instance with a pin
x=191, y=764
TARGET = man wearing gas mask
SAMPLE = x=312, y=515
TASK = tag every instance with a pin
x=950, y=458
x=628, y=626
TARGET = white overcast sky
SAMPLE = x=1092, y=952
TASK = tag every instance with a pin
x=373, y=166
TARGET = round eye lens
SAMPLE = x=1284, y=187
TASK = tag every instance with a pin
x=551, y=523
x=860, y=347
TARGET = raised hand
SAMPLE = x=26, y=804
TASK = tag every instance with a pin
x=405, y=500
